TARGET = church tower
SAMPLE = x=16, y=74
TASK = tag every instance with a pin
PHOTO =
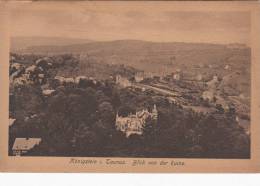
x=154, y=113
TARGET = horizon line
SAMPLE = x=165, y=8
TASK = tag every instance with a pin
x=94, y=41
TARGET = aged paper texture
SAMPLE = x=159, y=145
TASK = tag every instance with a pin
x=110, y=86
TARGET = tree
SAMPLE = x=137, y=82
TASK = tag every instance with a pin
x=125, y=110
x=26, y=100
x=106, y=112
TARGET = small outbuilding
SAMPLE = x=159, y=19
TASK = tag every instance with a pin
x=23, y=145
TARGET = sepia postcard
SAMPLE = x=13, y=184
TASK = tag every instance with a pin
x=130, y=86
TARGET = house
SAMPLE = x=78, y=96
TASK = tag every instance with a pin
x=134, y=123
x=12, y=58
x=227, y=67
x=212, y=84
x=223, y=102
x=23, y=145
x=41, y=76
x=60, y=79
x=149, y=74
x=30, y=69
x=21, y=80
x=139, y=76
x=47, y=92
x=242, y=96
x=177, y=76
x=122, y=81
x=44, y=62
x=92, y=79
x=11, y=121
x=208, y=95
x=199, y=77
x=215, y=78
x=16, y=66
x=69, y=80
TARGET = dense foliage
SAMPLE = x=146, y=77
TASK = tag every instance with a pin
x=79, y=120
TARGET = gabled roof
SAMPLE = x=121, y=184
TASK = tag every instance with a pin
x=11, y=121
x=25, y=143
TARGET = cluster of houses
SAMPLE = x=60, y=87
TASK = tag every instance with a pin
x=140, y=76
x=212, y=85
x=20, y=74
x=175, y=75
x=134, y=123
x=212, y=94
x=46, y=91
x=75, y=80
x=35, y=73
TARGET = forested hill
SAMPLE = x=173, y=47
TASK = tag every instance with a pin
x=144, y=54
x=21, y=43
x=124, y=46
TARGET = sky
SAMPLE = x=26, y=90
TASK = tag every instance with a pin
x=161, y=24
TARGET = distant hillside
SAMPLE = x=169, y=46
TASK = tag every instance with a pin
x=152, y=56
x=125, y=47
x=20, y=43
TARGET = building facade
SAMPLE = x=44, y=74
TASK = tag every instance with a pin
x=23, y=145
x=122, y=81
x=134, y=123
